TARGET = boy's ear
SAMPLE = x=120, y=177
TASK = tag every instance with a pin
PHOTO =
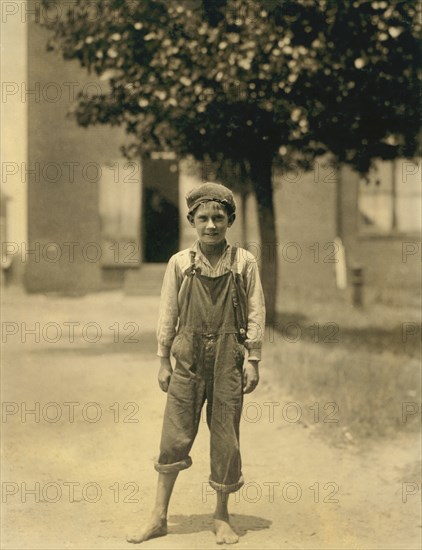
x=232, y=217
x=191, y=219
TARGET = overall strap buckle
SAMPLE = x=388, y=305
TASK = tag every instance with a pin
x=192, y=269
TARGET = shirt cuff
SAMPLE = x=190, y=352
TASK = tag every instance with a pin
x=163, y=351
x=254, y=354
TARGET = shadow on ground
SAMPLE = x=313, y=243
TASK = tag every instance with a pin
x=182, y=524
x=147, y=343
x=403, y=339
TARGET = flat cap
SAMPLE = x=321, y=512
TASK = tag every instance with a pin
x=210, y=192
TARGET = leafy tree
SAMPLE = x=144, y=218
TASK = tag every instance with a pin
x=253, y=82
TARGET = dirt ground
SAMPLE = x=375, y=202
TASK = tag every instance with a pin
x=78, y=472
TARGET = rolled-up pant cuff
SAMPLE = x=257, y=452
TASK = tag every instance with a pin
x=174, y=467
x=233, y=487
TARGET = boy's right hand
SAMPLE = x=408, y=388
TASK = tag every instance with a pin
x=164, y=374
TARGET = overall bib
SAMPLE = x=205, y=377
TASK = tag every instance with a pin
x=209, y=354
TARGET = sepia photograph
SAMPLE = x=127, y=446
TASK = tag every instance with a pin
x=211, y=274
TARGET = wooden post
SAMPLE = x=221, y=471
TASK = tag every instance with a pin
x=357, y=285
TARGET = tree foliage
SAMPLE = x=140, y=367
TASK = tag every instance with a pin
x=240, y=79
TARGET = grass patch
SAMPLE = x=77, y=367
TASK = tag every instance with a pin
x=366, y=361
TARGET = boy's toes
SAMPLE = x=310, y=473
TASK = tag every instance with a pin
x=224, y=534
x=229, y=539
x=153, y=529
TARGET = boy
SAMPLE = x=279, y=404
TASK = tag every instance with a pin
x=212, y=308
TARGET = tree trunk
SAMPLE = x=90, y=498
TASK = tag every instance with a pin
x=261, y=175
x=244, y=195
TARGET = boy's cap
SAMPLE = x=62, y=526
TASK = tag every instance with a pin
x=210, y=192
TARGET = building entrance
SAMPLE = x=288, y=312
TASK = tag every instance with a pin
x=160, y=209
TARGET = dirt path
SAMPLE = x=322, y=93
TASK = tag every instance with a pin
x=299, y=492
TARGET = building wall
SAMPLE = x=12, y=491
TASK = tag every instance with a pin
x=13, y=141
x=305, y=210
x=63, y=188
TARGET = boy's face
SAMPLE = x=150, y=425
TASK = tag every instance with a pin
x=211, y=222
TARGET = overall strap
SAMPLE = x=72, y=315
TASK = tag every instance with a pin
x=233, y=253
x=239, y=313
x=191, y=270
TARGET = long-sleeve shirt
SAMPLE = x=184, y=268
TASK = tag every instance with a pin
x=244, y=263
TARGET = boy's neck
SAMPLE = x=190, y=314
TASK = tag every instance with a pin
x=213, y=249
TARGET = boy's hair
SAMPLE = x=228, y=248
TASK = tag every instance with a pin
x=229, y=210
x=211, y=192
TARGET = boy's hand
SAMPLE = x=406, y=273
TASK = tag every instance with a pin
x=165, y=372
x=250, y=376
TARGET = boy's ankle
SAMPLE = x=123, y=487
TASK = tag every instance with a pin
x=222, y=515
x=160, y=515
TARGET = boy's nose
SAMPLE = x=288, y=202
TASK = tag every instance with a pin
x=210, y=224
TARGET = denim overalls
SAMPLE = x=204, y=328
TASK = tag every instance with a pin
x=209, y=354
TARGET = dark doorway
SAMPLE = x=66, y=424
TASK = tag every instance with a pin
x=160, y=180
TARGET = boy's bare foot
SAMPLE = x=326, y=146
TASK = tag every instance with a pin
x=156, y=527
x=224, y=533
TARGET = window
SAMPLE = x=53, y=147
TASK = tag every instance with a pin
x=390, y=199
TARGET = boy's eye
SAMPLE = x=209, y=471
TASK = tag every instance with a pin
x=215, y=218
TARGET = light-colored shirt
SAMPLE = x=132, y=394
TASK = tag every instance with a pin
x=244, y=263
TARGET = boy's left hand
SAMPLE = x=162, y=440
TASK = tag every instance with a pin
x=250, y=376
